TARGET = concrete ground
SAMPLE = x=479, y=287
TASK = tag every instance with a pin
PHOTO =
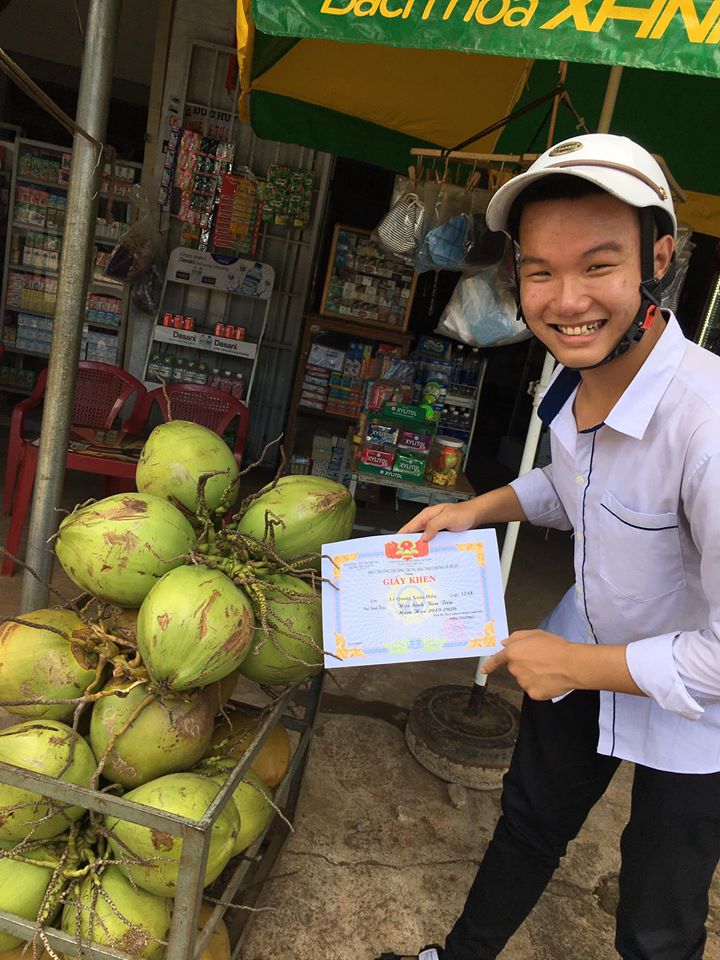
x=382, y=855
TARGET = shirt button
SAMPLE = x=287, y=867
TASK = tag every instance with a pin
x=578, y=591
x=579, y=480
x=579, y=536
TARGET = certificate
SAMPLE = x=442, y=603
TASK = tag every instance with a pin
x=401, y=599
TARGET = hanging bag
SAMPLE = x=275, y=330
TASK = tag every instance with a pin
x=400, y=231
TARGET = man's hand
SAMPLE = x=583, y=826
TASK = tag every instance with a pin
x=496, y=506
x=538, y=660
x=546, y=665
x=443, y=516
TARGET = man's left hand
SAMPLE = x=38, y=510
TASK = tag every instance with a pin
x=538, y=660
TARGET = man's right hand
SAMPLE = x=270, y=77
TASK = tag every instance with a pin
x=443, y=516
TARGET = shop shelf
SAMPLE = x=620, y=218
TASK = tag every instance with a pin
x=33, y=313
x=42, y=271
x=458, y=400
x=33, y=228
x=37, y=182
x=205, y=341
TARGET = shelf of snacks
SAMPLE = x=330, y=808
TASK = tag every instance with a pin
x=36, y=224
x=211, y=321
x=338, y=360
x=413, y=416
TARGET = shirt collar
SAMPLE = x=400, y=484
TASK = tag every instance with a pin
x=633, y=411
x=560, y=390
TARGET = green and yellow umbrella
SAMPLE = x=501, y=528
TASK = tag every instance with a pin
x=372, y=78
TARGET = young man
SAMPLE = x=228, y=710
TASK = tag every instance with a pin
x=628, y=667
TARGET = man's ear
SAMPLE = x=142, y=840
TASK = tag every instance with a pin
x=663, y=251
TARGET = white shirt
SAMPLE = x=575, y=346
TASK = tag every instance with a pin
x=642, y=494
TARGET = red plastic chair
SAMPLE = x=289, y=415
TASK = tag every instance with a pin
x=101, y=392
x=214, y=409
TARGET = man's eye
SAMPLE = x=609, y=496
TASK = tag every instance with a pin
x=600, y=266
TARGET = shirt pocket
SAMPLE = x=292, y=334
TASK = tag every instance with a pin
x=640, y=554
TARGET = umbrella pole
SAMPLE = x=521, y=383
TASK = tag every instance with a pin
x=92, y=114
x=532, y=438
x=611, y=92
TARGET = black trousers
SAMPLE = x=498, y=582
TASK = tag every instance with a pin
x=670, y=846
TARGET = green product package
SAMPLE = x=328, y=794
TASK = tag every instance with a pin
x=407, y=413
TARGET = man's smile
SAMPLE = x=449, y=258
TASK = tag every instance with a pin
x=579, y=330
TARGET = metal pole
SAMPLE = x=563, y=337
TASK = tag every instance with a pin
x=611, y=92
x=92, y=113
x=511, y=534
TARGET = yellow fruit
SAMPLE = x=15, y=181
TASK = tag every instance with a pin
x=272, y=760
x=218, y=946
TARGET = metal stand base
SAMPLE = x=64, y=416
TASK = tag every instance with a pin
x=458, y=744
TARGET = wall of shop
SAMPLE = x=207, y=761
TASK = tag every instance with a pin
x=47, y=30
x=196, y=55
x=214, y=22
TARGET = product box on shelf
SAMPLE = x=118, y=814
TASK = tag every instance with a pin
x=407, y=413
x=414, y=442
x=405, y=471
x=328, y=457
x=381, y=433
x=326, y=357
x=371, y=456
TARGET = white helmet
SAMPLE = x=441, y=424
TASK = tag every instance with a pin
x=615, y=164
x=623, y=169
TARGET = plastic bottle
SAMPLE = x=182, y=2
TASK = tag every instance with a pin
x=214, y=378
x=226, y=381
x=457, y=366
x=178, y=370
x=190, y=371
x=251, y=280
x=201, y=374
x=152, y=367
x=163, y=370
x=238, y=386
x=474, y=369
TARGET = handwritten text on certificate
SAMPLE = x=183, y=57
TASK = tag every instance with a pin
x=396, y=599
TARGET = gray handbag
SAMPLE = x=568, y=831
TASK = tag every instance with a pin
x=400, y=231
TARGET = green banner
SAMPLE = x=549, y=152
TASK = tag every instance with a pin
x=676, y=35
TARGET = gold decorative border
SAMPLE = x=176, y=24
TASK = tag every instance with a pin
x=339, y=559
x=342, y=649
x=477, y=548
x=488, y=639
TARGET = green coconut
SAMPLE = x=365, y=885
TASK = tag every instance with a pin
x=42, y=746
x=194, y=627
x=39, y=664
x=119, y=547
x=115, y=914
x=292, y=652
x=312, y=510
x=175, y=457
x=187, y=795
x=168, y=735
x=251, y=798
x=23, y=886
